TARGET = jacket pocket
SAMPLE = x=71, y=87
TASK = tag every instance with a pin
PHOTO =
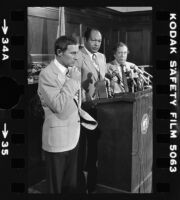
x=57, y=122
x=58, y=136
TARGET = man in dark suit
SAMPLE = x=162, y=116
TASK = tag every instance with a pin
x=93, y=69
x=60, y=94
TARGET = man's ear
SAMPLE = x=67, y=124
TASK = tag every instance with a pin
x=59, y=52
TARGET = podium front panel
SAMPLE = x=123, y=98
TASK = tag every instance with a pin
x=124, y=152
x=142, y=144
x=115, y=144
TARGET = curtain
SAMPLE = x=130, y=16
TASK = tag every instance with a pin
x=61, y=23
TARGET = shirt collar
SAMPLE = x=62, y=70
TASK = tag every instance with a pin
x=60, y=67
x=89, y=53
x=117, y=63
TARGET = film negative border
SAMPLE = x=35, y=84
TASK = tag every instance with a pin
x=165, y=100
x=13, y=118
x=161, y=113
x=13, y=102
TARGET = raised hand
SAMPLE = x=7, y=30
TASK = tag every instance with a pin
x=75, y=74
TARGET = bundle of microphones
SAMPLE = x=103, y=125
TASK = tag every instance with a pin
x=137, y=79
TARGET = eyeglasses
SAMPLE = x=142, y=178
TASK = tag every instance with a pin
x=123, y=53
x=96, y=40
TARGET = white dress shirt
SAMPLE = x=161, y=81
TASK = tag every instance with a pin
x=60, y=67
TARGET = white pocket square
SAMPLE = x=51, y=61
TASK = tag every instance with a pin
x=87, y=121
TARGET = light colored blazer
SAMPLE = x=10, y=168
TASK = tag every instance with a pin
x=87, y=68
x=61, y=128
x=128, y=66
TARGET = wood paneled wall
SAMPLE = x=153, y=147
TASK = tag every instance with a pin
x=132, y=28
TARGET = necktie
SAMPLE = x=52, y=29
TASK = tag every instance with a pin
x=124, y=79
x=76, y=96
x=67, y=73
x=94, y=58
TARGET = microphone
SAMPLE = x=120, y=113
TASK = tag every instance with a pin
x=108, y=76
x=141, y=74
x=107, y=79
x=136, y=69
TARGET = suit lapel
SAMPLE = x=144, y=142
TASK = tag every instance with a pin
x=60, y=76
x=89, y=64
x=123, y=76
x=113, y=62
x=116, y=64
x=101, y=65
x=79, y=100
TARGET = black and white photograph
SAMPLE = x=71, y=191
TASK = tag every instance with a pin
x=90, y=100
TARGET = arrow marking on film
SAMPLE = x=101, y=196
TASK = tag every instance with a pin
x=5, y=132
x=4, y=27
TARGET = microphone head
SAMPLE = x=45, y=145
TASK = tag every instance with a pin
x=112, y=67
x=108, y=75
x=132, y=67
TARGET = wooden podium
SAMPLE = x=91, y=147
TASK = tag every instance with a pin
x=125, y=143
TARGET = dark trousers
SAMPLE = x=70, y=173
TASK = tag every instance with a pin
x=82, y=157
x=88, y=151
x=91, y=165
x=61, y=170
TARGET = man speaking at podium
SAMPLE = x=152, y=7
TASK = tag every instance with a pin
x=93, y=70
x=125, y=76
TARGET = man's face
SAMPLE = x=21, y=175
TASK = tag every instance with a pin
x=121, y=54
x=69, y=56
x=94, y=42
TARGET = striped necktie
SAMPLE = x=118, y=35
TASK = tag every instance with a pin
x=124, y=79
x=94, y=58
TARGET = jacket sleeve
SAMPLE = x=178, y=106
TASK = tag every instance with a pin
x=57, y=99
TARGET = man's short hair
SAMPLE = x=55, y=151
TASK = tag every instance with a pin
x=62, y=43
x=88, y=31
x=120, y=44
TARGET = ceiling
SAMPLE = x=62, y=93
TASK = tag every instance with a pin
x=130, y=9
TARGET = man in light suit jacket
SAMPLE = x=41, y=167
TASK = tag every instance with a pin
x=92, y=63
x=120, y=67
x=60, y=95
x=93, y=69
